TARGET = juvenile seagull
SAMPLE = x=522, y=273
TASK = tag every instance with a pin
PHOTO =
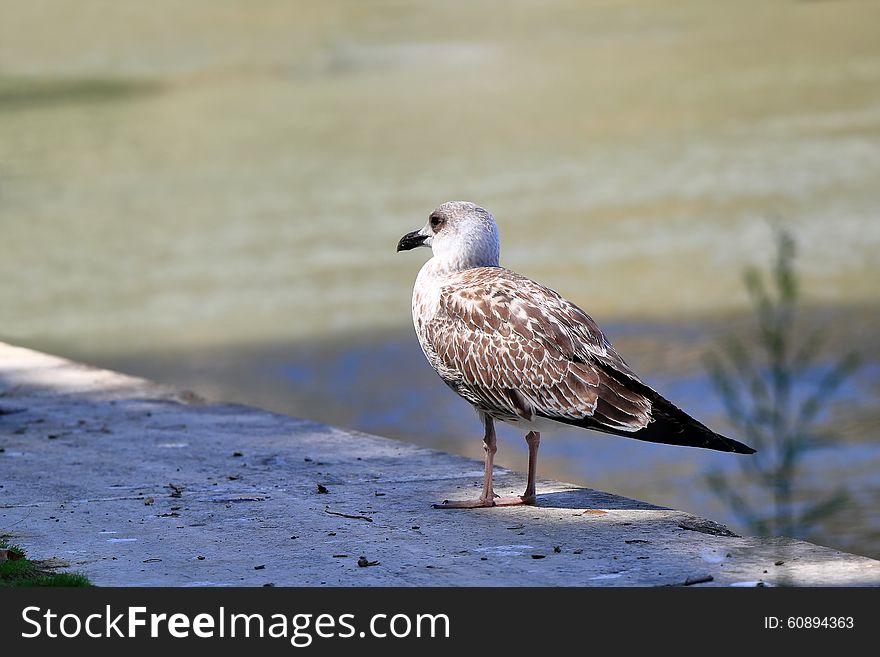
x=522, y=354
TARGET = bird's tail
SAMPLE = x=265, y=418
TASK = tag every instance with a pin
x=669, y=425
x=673, y=426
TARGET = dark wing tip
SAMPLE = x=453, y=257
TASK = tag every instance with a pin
x=724, y=444
x=741, y=448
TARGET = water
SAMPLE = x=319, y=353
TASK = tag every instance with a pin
x=210, y=193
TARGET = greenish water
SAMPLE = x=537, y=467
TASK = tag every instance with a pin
x=181, y=174
x=190, y=190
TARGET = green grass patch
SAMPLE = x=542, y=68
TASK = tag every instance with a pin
x=17, y=570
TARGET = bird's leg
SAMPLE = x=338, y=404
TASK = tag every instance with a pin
x=490, y=447
x=487, y=498
x=533, y=439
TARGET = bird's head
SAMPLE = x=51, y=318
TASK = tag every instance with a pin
x=460, y=233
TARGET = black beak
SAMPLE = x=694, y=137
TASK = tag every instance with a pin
x=411, y=241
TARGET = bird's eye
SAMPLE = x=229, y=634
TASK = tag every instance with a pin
x=436, y=222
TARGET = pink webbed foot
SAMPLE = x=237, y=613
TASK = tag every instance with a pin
x=464, y=504
x=482, y=503
x=515, y=501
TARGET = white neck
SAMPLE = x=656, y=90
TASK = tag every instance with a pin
x=453, y=262
x=466, y=252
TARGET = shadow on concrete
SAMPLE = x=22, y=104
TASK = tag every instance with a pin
x=587, y=498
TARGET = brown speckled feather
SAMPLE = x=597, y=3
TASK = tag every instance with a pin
x=516, y=349
x=521, y=353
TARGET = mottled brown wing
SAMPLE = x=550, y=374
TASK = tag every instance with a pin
x=516, y=348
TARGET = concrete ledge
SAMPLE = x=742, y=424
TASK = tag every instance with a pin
x=137, y=484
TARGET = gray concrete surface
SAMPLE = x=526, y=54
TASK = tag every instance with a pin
x=137, y=484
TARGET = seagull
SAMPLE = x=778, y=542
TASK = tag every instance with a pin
x=522, y=354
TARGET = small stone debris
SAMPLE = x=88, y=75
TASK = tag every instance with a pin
x=307, y=460
x=262, y=566
x=539, y=556
x=557, y=549
x=636, y=540
x=778, y=563
x=378, y=494
x=578, y=551
x=706, y=527
x=176, y=491
x=201, y=557
x=415, y=527
x=148, y=501
x=234, y=477
x=153, y=560
x=322, y=489
x=363, y=562
x=237, y=454
x=171, y=514
x=340, y=556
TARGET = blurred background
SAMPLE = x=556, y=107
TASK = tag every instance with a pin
x=209, y=193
